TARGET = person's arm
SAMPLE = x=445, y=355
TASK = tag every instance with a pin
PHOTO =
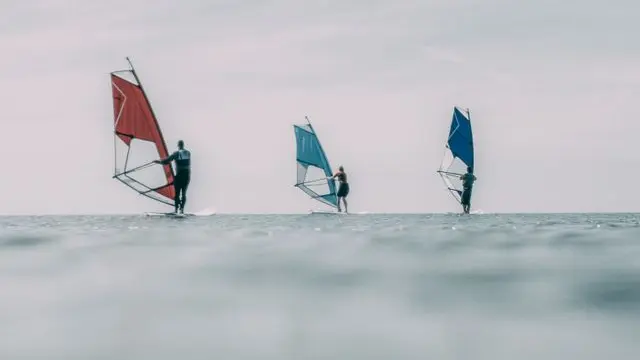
x=168, y=159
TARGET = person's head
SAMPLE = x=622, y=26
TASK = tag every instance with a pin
x=341, y=168
x=469, y=169
x=180, y=144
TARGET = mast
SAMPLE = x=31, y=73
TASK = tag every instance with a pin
x=472, y=144
x=311, y=126
x=155, y=118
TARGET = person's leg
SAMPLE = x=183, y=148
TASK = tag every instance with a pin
x=345, y=193
x=176, y=197
x=340, y=195
x=178, y=182
x=185, y=186
x=183, y=198
x=179, y=195
x=464, y=200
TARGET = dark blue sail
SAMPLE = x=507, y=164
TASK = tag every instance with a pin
x=461, y=138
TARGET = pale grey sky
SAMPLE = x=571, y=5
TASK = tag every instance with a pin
x=551, y=86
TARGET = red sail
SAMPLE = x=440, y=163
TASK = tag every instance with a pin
x=134, y=120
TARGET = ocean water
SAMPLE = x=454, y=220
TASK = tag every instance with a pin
x=553, y=286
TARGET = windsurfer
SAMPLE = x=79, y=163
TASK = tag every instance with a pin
x=343, y=189
x=182, y=157
x=467, y=185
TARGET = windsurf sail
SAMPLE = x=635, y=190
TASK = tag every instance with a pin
x=313, y=166
x=138, y=140
x=458, y=153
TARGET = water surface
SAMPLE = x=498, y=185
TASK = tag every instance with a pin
x=553, y=286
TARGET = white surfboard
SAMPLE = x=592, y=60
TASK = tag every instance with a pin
x=321, y=212
x=328, y=212
x=206, y=212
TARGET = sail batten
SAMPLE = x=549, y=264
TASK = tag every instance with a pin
x=459, y=153
x=139, y=141
x=313, y=167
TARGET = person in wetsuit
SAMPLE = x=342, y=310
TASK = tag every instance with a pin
x=181, y=180
x=467, y=185
x=343, y=189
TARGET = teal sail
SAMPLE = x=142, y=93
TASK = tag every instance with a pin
x=459, y=152
x=313, y=167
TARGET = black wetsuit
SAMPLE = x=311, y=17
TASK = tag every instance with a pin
x=182, y=178
x=467, y=186
x=343, y=189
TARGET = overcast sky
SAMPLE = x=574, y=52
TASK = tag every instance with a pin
x=552, y=87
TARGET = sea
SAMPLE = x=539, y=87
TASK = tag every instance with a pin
x=375, y=286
